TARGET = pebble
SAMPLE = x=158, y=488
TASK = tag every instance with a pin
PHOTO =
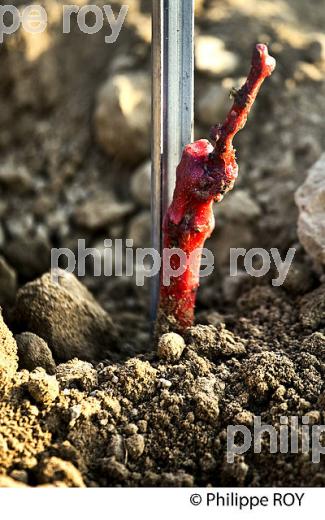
x=75, y=412
x=238, y=207
x=308, y=72
x=100, y=210
x=315, y=50
x=82, y=330
x=116, y=447
x=135, y=446
x=123, y=115
x=171, y=346
x=143, y=426
x=232, y=285
x=29, y=256
x=8, y=282
x=141, y=184
x=214, y=101
x=139, y=229
x=16, y=177
x=165, y=383
x=19, y=227
x=131, y=429
x=211, y=57
x=299, y=278
x=34, y=352
x=19, y=474
x=310, y=199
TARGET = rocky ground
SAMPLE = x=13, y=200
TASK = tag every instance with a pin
x=87, y=398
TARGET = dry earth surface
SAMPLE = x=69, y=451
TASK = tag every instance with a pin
x=86, y=397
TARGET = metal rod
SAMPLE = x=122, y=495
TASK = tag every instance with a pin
x=172, y=106
x=156, y=142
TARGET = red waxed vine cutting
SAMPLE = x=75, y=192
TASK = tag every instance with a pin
x=203, y=176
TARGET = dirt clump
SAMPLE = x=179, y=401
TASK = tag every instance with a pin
x=42, y=387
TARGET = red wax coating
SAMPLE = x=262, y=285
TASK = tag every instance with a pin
x=203, y=176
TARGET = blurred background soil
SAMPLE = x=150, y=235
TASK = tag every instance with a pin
x=92, y=403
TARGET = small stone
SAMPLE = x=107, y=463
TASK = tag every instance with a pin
x=310, y=199
x=143, y=426
x=115, y=470
x=135, y=446
x=43, y=387
x=231, y=235
x=315, y=50
x=232, y=286
x=130, y=429
x=59, y=309
x=165, y=383
x=101, y=210
x=8, y=356
x=307, y=147
x=211, y=57
x=238, y=207
x=122, y=62
x=122, y=116
x=116, y=448
x=30, y=256
x=75, y=412
x=212, y=104
x=211, y=318
x=8, y=283
x=299, y=279
x=19, y=228
x=139, y=229
x=16, y=177
x=19, y=474
x=141, y=184
x=308, y=72
x=77, y=374
x=171, y=346
x=34, y=352
x=214, y=101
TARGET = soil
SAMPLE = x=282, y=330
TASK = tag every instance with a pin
x=87, y=398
